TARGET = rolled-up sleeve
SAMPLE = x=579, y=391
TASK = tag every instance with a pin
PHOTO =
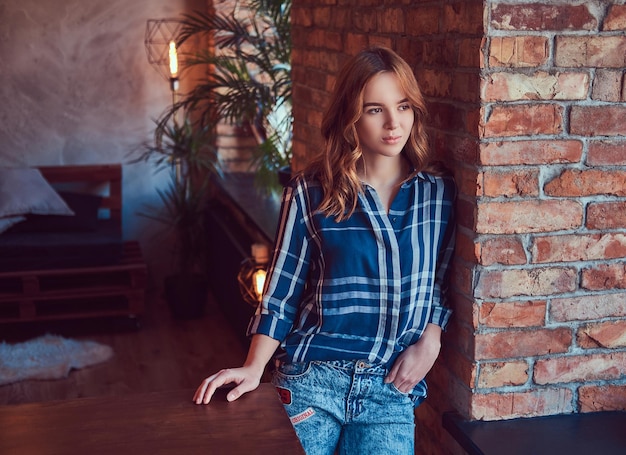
x=288, y=270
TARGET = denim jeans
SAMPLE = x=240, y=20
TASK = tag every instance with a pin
x=345, y=406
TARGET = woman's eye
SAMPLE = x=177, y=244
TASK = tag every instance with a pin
x=404, y=107
x=374, y=110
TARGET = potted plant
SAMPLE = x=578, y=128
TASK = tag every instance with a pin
x=186, y=151
x=250, y=81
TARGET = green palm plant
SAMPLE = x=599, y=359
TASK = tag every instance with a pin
x=250, y=81
x=186, y=150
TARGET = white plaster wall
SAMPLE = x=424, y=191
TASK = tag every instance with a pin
x=76, y=88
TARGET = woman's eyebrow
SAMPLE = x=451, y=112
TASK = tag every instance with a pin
x=381, y=104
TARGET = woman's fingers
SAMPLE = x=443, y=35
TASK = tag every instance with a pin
x=207, y=388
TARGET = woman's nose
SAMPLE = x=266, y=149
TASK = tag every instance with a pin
x=391, y=121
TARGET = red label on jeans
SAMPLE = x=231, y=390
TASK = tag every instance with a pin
x=285, y=395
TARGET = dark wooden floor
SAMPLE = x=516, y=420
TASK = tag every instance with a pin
x=164, y=354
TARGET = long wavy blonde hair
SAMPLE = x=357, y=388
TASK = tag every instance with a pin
x=336, y=166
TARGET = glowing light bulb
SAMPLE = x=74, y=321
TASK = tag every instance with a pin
x=173, y=60
x=259, y=281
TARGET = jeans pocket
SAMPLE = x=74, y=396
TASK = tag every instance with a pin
x=397, y=390
x=293, y=371
x=416, y=399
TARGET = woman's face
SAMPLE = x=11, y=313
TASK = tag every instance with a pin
x=387, y=117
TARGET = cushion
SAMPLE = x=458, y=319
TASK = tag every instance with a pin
x=8, y=221
x=25, y=191
x=85, y=207
x=54, y=250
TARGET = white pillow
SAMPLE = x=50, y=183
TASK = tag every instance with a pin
x=25, y=191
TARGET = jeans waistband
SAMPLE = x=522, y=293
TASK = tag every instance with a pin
x=356, y=366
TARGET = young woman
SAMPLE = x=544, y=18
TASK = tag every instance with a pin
x=354, y=296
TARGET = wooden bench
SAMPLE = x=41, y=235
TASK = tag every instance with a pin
x=79, y=292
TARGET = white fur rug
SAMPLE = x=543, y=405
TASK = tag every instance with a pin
x=48, y=357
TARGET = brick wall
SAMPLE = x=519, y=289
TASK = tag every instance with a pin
x=549, y=242
x=527, y=106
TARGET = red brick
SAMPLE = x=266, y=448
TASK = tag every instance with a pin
x=323, y=39
x=521, y=343
x=591, y=51
x=604, y=277
x=577, y=247
x=381, y=40
x=523, y=120
x=542, y=17
x=513, y=314
x=469, y=52
x=302, y=17
x=461, y=338
x=615, y=18
x=463, y=17
x=462, y=278
x=606, y=215
x=464, y=87
x=528, y=216
x=446, y=117
x=537, y=86
x=435, y=83
x=525, y=282
x=505, y=250
x=594, y=398
x=518, y=51
x=354, y=42
x=610, y=335
x=465, y=213
x=465, y=309
x=340, y=18
x=438, y=53
x=314, y=78
x=467, y=182
x=500, y=374
x=424, y=20
x=463, y=149
x=511, y=183
x=462, y=367
x=364, y=20
x=465, y=247
x=580, y=368
x=576, y=183
x=603, y=153
x=530, y=152
x=607, y=85
x=321, y=16
x=588, y=307
x=391, y=20
x=503, y=406
x=598, y=120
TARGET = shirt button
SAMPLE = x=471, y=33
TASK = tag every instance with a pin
x=393, y=220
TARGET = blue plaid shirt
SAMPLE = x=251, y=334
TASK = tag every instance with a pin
x=363, y=288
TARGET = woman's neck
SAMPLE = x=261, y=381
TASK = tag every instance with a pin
x=383, y=172
x=385, y=176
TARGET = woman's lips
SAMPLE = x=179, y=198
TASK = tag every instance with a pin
x=392, y=139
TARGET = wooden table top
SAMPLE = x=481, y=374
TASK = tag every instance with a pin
x=150, y=423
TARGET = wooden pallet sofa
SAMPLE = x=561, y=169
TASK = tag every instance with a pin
x=60, y=267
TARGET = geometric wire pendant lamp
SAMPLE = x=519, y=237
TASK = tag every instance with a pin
x=159, y=34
